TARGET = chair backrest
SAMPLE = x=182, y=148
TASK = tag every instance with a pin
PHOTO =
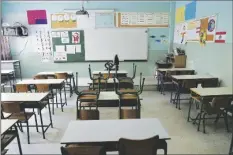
x=139, y=147
x=189, y=84
x=42, y=88
x=21, y=88
x=11, y=107
x=83, y=150
x=92, y=114
x=61, y=75
x=210, y=83
x=39, y=77
x=221, y=102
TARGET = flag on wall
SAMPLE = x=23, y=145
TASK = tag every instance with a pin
x=220, y=37
x=36, y=17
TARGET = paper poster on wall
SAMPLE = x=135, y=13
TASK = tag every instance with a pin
x=60, y=56
x=208, y=25
x=203, y=37
x=190, y=11
x=64, y=34
x=220, y=37
x=65, y=40
x=56, y=34
x=193, y=30
x=46, y=56
x=78, y=48
x=63, y=20
x=75, y=37
x=36, y=17
x=180, y=14
x=60, y=48
x=70, y=49
x=183, y=33
x=42, y=40
x=211, y=25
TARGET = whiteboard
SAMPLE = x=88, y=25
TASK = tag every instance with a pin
x=103, y=44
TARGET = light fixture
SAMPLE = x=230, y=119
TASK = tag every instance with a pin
x=82, y=11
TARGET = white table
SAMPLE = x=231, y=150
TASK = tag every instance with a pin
x=42, y=81
x=6, y=124
x=7, y=71
x=108, y=95
x=174, y=69
x=53, y=73
x=96, y=131
x=110, y=81
x=111, y=72
x=32, y=100
x=13, y=65
x=23, y=97
x=218, y=91
x=192, y=77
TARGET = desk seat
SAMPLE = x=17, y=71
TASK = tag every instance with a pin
x=128, y=97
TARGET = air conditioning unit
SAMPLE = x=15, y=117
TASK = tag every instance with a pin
x=15, y=31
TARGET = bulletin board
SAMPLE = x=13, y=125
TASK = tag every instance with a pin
x=68, y=46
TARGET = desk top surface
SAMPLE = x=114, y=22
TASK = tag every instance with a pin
x=174, y=69
x=110, y=80
x=113, y=130
x=109, y=95
x=189, y=77
x=23, y=97
x=9, y=61
x=112, y=72
x=218, y=91
x=6, y=71
x=42, y=81
x=6, y=124
x=52, y=73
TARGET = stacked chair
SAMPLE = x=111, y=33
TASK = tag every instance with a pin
x=126, y=82
x=95, y=83
x=130, y=97
x=87, y=99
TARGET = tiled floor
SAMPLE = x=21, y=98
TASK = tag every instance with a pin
x=184, y=136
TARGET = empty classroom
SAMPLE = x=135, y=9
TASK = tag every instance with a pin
x=116, y=77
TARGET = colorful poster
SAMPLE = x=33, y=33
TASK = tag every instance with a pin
x=180, y=14
x=63, y=20
x=183, y=33
x=75, y=37
x=190, y=11
x=36, y=17
x=209, y=25
x=203, y=37
x=193, y=30
x=220, y=37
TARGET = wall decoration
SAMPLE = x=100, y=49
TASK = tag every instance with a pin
x=158, y=40
x=212, y=25
x=75, y=37
x=220, y=37
x=180, y=14
x=152, y=36
x=63, y=20
x=193, y=30
x=203, y=36
x=36, y=17
x=190, y=11
x=183, y=33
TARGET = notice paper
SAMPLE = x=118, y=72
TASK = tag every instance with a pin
x=60, y=56
x=56, y=34
x=65, y=40
x=70, y=49
x=64, y=34
x=60, y=48
x=78, y=48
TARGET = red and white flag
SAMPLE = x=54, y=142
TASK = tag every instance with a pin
x=220, y=37
x=198, y=29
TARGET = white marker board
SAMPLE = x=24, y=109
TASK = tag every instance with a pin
x=103, y=44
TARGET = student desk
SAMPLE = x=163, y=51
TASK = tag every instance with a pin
x=70, y=77
x=206, y=94
x=180, y=70
x=9, y=74
x=12, y=64
x=108, y=85
x=54, y=83
x=193, y=77
x=120, y=73
x=8, y=133
x=111, y=99
x=30, y=100
x=108, y=132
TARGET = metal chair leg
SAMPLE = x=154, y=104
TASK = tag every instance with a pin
x=18, y=140
x=204, y=122
x=42, y=125
x=28, y=132
x=36, y=123
x=199, y=122
x=226, y=120
x=190, y=105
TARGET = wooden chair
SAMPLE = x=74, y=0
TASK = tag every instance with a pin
x=65, y=76
x=218, y=106
x=165, y=79
x=141, y=147
x=132, y=99
x=87, y=99
x=22, y=88
x=126, y=82
x=82, y=150
x=18, y=112
x=39, y=77
x=183, y=89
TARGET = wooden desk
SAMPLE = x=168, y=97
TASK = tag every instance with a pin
x=8, y=135
x=192, y=77
x=53, y=73
x=120, y=73
x=175, y=69
x=110, y=131
x=42, y=81
x=30, y=100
